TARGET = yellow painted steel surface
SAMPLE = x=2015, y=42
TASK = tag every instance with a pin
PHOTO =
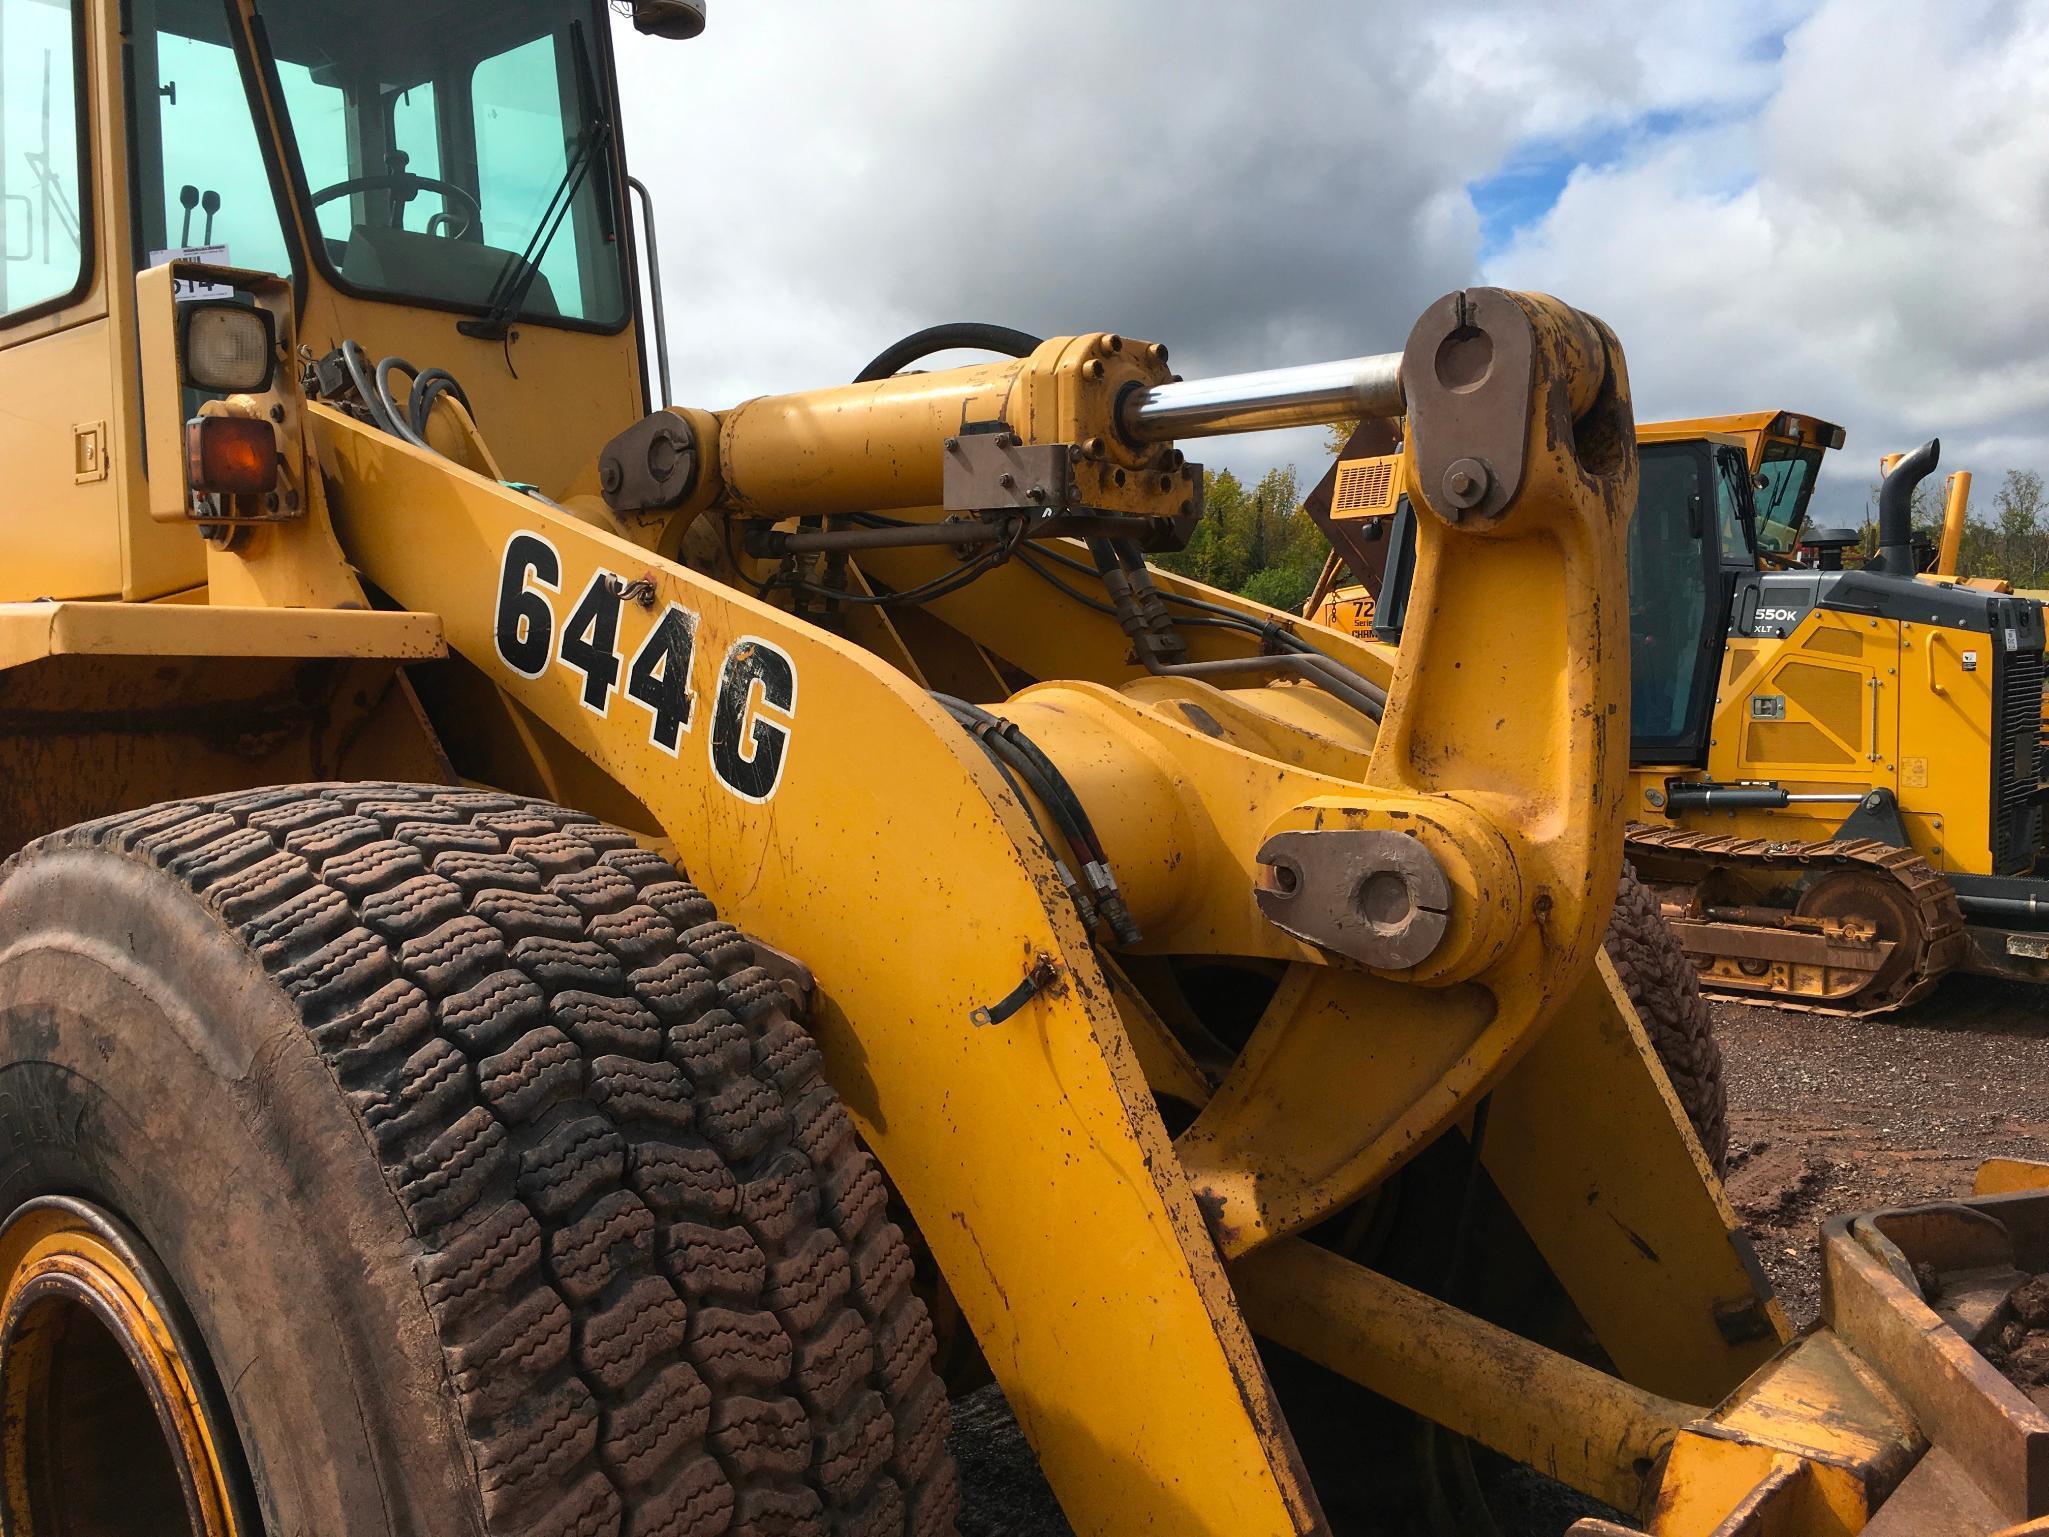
x=1524, y=818
x=31, y=631
x=1584, y=1428
x=63, y=534
x=1869, y=703
x=73, y=529
x=860, y=447
x=811, y=782
x=2005, y=1176
x=1811, y=1445
x=1754, y=430
x=1624, y=1206
x=1956, y=514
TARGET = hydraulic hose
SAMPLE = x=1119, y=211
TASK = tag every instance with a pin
x=978, y=334
x=1083, y=907
x=372, y=387
x=1017, y=772
x=363, y=376
x=1142, y=612
x=429, y=387
x=401, y=422
x=892, y=359
x=1005, y=739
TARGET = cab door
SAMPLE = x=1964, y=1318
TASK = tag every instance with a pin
x=1678, y=604
x=61, y=530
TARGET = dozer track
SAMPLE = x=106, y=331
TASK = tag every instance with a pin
x=1804, y=962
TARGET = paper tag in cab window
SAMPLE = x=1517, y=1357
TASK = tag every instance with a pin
x=185, y=289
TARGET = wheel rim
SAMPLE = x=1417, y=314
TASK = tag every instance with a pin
x=111, y=1428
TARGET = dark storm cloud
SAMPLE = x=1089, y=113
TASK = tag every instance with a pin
x=1257, y=184
x=1246, y=181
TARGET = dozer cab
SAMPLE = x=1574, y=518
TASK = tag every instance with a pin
x=1836, y=771
x=568, y=967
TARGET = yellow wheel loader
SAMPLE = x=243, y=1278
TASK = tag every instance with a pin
x=1837, y=774
x=566, y=967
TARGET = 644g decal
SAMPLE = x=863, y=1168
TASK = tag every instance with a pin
x=754, y=694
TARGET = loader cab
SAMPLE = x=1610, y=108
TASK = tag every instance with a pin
x=437, y=180
x=434, y=156
x=444, y=156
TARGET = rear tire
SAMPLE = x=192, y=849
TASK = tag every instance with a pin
x=499, y=1181
x=1666, y=991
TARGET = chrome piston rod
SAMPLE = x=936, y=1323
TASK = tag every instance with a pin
x=1309, y=396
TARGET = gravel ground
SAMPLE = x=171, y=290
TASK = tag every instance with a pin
x=1839, y=1115
x=1826, y=1116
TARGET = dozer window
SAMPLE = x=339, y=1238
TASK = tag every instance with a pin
x=1671, y=577
x=42, y=157
x=203, y=187
x=1733, y=509
x=457, y=154
x=1785, y=482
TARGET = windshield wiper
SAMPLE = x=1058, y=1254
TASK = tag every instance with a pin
x=509, y=294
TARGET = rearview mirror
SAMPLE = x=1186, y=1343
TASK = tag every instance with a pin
x=680, y=19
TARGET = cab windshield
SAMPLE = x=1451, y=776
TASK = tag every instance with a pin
x=1785, y=482
x=456, y=153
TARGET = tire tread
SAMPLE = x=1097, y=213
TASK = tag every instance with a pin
x=668, y=1295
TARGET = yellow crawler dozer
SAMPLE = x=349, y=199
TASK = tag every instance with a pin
x=1838, y=774
x=568, y=967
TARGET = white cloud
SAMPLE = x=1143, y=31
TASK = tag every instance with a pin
x=1252, y=184
x=1862, y=248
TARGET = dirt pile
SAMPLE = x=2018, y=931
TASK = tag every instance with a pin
x=2021, y=1348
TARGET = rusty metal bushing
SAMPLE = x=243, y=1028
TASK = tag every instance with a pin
x=1471, y=381
x=1376, y=897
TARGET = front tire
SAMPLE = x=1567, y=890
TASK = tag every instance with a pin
x=1665, y=988
x=500, y=1184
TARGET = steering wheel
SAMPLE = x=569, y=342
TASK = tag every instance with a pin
x=411, y=186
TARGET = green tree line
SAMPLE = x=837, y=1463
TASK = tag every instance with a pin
x=1256, y=542
x=2006, y=541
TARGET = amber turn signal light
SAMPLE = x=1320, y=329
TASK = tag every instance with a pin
x=230, y=455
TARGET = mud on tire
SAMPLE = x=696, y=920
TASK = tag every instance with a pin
x=1666, y=991
x=631, y=1272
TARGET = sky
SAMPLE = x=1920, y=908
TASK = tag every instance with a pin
x=1835, y=207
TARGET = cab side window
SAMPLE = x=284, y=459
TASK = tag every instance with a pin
x=204, y=190
x=43, y=164
x=529, y=113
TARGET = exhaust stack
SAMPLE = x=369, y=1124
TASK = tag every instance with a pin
x=1896, y=509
